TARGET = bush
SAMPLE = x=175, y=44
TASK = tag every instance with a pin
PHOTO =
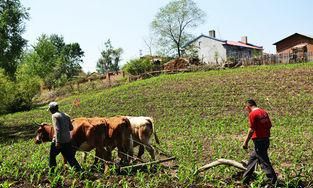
x=6, y=87
x=27, y=86
x=17, y=96
x=138, y=66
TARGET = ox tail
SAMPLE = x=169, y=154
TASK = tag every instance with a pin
x=153, y=130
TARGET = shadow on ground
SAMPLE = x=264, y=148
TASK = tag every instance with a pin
x=8, y=134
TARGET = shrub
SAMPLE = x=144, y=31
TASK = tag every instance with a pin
x=138, y=66
x=17, y=96
x=27, y=86
x=6, y=87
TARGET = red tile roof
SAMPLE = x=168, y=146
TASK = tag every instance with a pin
x=241, y=44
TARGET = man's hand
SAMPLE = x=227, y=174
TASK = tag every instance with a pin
x=245, y=144
x=58, y=145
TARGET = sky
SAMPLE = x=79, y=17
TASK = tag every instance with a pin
x=127, y=22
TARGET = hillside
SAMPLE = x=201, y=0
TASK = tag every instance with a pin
x=199, y=117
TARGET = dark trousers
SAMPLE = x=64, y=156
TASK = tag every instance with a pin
x=259, y=155
x=67, y=152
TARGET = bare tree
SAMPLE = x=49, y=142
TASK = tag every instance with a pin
x=149, y=42
x=172, y=22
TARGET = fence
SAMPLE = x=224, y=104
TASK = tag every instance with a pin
x=156, y=73
x=267, y=59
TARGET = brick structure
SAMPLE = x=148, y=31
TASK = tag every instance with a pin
x=296, y=41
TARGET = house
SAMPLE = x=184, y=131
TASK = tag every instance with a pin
x=295, y=47
x=211, y=50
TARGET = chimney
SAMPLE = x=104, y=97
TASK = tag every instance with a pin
x=244, y=39
x=212, y=33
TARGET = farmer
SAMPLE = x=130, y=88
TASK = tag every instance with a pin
x=259, y=132
x=61, y=141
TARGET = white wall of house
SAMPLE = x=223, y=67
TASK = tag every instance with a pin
x=210, y=51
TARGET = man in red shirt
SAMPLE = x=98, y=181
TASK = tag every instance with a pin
x=259, y=132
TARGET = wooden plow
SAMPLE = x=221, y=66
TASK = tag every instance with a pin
x=221, y=162
x=143, y=165
x=134, y=167
x=240, y=165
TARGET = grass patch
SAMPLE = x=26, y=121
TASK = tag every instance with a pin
x=199, y=117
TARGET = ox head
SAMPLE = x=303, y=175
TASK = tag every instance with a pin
x=43, y=133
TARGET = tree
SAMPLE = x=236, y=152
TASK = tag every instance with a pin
x=43, y=57
x=72, y=58
x=109, y=59
x=172, y=23
x=149, y=42
x=12, y=16
x=69, y=57
x=53, y=60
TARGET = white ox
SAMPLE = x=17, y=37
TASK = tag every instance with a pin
x=142, y=129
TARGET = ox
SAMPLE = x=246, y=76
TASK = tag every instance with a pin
x=142, y=129
x=118, y=135
x=103, y=134
x=85, y=136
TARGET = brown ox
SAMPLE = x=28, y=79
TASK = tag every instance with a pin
x=142, y=129
x=104, y=134
x=85, y=136
x=118, y=135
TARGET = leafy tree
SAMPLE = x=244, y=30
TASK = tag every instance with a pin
x=69, y=57
x=72, y=58
x=110, y=57
x=43, y=58
x=53, y=60
x=57, y=41
x=12, y=17
x=172, y=22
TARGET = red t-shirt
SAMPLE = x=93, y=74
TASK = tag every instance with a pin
x=260, y=123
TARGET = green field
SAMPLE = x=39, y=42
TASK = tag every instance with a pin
x=199, y=118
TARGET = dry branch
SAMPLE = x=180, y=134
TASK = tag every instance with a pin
x=220, y=162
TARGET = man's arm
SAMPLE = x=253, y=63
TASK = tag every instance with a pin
x=250, y=133
x=57, y=129
x=69, y=122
